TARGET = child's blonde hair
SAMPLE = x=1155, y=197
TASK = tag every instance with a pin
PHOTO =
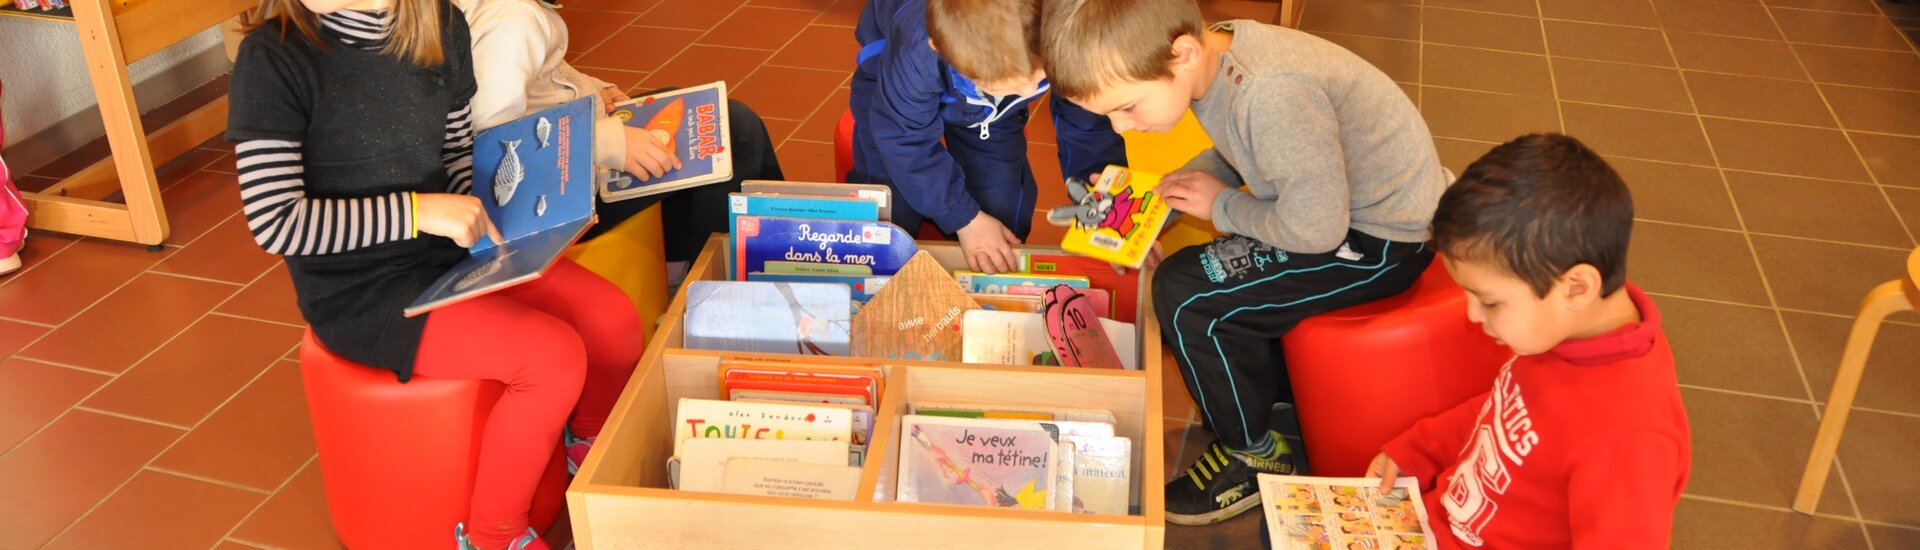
x=416, y=27
x=1089, y=44
x=986, y=40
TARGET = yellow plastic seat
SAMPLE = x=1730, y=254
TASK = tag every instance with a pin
x=633, y=256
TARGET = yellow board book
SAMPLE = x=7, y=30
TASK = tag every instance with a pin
x=1115, y=219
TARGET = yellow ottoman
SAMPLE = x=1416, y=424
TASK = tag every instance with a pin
x=632, y=256
x=1162, y=153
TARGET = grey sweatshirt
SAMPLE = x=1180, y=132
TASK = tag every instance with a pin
x=1322, y=140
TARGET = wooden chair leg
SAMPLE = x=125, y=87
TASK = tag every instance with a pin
x=1885, y=300
x=1288, y=14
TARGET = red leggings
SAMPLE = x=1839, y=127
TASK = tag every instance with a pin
x=568, y=337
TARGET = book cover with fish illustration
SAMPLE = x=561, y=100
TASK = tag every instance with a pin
x=800, y=318
x=948, y=462
x=826, y=208
x=689, y=122
x=534, y=176
x=884, y=247
x=1115, y=219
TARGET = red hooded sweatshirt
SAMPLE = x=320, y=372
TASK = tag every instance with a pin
x=1585, y=446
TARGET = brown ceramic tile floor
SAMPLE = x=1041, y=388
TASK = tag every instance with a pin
x=1771, y=145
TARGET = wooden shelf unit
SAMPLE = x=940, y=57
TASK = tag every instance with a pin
x=620, y=498
x=114, y=33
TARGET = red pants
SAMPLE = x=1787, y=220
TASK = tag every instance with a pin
x=564, y=344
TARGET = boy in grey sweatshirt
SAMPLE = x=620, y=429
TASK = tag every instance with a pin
x=1341, y=182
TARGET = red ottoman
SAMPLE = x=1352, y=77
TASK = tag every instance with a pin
x=1364, y=374
x=398, y=459
x=843, y=146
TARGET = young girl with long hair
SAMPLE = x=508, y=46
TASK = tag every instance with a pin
x=354, y=147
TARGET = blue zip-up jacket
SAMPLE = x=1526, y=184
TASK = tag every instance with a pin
x=905, y=99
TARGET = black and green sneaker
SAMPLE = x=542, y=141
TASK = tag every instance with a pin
x=1221, y=484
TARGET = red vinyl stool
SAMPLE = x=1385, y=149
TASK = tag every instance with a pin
x=1363, y=375
x=398, y=459
x=843, y=146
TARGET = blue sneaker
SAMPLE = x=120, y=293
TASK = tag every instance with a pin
x=529, y=541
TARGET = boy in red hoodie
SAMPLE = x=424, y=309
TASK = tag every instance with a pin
x=1582, y=441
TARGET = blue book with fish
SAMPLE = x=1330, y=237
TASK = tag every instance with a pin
x=691, y=123
x=801, y=318
x=534, y=175
x=882, y=246
x=829, y=208
x=863, y=286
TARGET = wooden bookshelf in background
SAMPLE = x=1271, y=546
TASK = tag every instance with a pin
x=114, y=33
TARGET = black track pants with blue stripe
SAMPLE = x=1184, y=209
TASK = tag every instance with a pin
x=1223, y=307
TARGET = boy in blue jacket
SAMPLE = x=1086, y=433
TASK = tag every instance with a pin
x=966, y=71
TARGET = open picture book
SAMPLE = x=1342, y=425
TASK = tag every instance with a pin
x=1312, y=513
x=534, y=176
x=691, y=123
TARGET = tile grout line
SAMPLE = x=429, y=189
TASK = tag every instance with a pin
x=1846, y=486
x=196, y=278
x=1784, y=309
x=1835, y=128
x=1746, y=394
x=109, y=375
x=176, y=441
x=263, y=502
x=1476, y=141
x=125, y=416
x=1773, y=235
x=257, y=320
x=1553, y=77
x=236, y=295
x=29, y=323
x=207, y=480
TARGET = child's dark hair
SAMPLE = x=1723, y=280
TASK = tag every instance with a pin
x=1540, y=204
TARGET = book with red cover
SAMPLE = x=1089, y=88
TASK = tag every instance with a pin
x=736, y=377
x=1125, y=288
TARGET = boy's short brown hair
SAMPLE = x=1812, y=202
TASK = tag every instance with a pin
x=1540, y=204
x=986, y=40
x=1089, y=44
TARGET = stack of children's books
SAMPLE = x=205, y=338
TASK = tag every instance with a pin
x=39, y=5
x=1014, y=457
x=1312, y=513
x=779, y=430
x=858, y=287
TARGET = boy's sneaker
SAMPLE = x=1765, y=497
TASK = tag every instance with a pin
x=528, y=541
x=577, y=449
x=1221, y=484
x=9, y=263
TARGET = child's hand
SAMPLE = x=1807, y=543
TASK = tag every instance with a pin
x=1384, y=468
x=457, y=217
x=610, y=96
x=1192, y=192
x=988, y=245
x=647, y=158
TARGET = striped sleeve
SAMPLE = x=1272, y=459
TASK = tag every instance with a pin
x=458, y=152
x=285, y=221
